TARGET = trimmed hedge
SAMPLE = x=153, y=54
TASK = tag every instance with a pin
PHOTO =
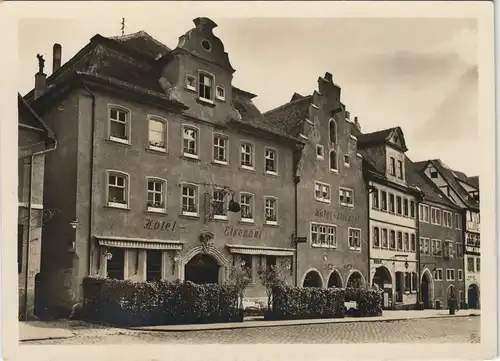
x=128, y=303
x=292, y=303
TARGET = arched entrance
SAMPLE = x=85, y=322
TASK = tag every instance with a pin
x=355, y=280
x=451, y=291
x=312, y=279
x=473, y=296
x=383, y=280
x=334, y=280
x=426, y=287
x=201, y=269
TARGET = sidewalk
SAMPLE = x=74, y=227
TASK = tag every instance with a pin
x=253, y=322
x=38, y=330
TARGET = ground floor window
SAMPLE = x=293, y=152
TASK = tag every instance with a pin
x=399, y=286
x=270, y=261
x=247, y=265
x=116, y=265
x=153, y=265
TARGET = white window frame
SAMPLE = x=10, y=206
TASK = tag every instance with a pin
x=225, y=202
x=252, y=207
x=275, y=199
x=458, y=221
x=382, y=238
x=125, y=175
x=407, y=201
x=399, y=169
x=226, y=148
x=439, y=247
x=158, y=148
x=252, y=155
x=190, y=87
x=450, y=272
x=438, y=220
x=152, y=208
x=412, y=209
x=196, y=199
x=459, y=246
x=437, y=276
x=421, y=213
x=322, y=155
x=353, y=248
x=399, y=210
x=406, y=246
x=327, y=234
x=376, y=192
x=377, y=231
x=334, y=170
x=275, y=151
x=413, y=245
x=128, y=123
x=392, y=168
x=460, y=274
x=321, y=198
x=350, y=205
x=446, y=219
x=393, y=211
x=381, y=200
x=348, y=163
x=223, y=96
x=196, y=155
x=212, y=85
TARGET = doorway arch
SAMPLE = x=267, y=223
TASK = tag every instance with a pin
x=312, y=278
x=473, y=296
x=427, y=288
x=202, y=269
x=382, y=277
x=451, y=291
x=334, y=280
x=355, y=280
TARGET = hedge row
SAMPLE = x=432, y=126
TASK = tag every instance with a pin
x=369, y=301
x=128, y=303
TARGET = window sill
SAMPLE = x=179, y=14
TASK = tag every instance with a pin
x=189, y=215
x=318, y=157
x=221, y=99
x=157, y=149
x=119, y=206
x=347, y=205
x=355, y=249
x=156, y=210
x=334, y=171
x=271, y=224
x=247, y=221
x=248, y=168
x=347, y=165
x=190, y=88
x=323, y=201
x=118, y=141
x=323, y=246
x=219, y=162
x=190, y=157
x=217, y=218
x=204, y=101
x=271, y=173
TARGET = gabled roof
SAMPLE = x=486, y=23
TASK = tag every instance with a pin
x=143, y=43
x=380, y=137
x=290, y=117
x=27, y=116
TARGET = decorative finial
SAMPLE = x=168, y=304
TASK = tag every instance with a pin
x=123, y=26
x=41, y=62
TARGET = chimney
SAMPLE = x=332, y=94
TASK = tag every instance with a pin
x=56, y=57
x=40, y=78
x=356, y=123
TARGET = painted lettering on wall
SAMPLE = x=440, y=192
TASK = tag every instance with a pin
x=160, y=226
x=240, y=232
x=333, y=215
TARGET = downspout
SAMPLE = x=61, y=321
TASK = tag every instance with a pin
x=91, y=176
x=417, y=244
x=28, y=241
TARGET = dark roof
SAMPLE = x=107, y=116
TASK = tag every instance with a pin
x=27, y=116
x=374, y=138
x=474, y=180
x=290, y=117
x=143, y=43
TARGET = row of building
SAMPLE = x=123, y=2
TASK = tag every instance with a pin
x=141, y=162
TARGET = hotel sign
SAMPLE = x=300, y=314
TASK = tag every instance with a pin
x=160, y=226
x=244, y=233
x=335, y=215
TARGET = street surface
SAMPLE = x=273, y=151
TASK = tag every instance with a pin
x=437, y=330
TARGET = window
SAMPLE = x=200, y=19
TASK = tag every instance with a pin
x=220, y=93
x=392, y=239
x=347, y=161
x=322, y=192
x=246, y=204
x=320, y=151
x=116, y=265
x=424, y=213
x=406, y=242
x=220, y=149
x=323, y=235
x=158, y=134
x=271, y=210
x=400, y=241
x=271, y=161
x=346, y=197
x=412, y=209
x=399, y=205
x=246, y=155
x=460, y=274
x=435, y=216
x=376, y=237
x=450, y=274
x=438, y=274
x=448, y=249
x=470, y=264
x=333, y=160
x=384, y=200
x=271, y=261
x=413, y=243
x=189, y=200
x=414, y=282
x=153, y=264
x=433, y=172
x=354, y=239
x=460, y=249
x=405, y=207
x=156, y=195
x=333, y=131
x=436, y=248
x=20, y=235
x=399, y=286
x=119, y=125
x=375, y=198
x=427, y=246
x=407, y=281
x=421, y=244
x=478, y=264
x=117, y=190
x=447, y=219
x=219, y=204
x=384, y=238
x=391, y=203
x=458, y=221
x=246, y=265
x=190, y=141
x=205, y=86
x=400, y=169
x=392, y=166
x=190, y=82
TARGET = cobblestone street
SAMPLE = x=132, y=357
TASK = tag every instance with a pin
x=437, y=330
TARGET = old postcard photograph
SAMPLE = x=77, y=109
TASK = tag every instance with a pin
x=281, y=180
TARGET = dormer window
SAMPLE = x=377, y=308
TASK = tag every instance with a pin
x=392, y=166
x=205, y=87
x=220, y=93
x=190, y=82
x=400, y=169
x=433, y=172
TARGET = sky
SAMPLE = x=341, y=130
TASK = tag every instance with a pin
x=420, y=74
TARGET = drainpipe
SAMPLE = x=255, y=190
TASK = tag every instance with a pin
x=30, y=203
x=417, y=245
x=91, y=176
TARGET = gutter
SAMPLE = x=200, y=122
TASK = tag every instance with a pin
x=30, y=205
